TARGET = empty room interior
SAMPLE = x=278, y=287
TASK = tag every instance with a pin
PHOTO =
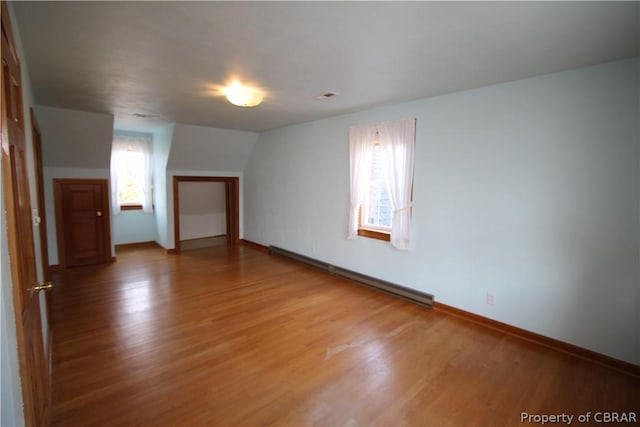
x=320, y=213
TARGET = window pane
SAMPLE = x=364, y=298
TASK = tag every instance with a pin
x=378, y=205
x=130, y=178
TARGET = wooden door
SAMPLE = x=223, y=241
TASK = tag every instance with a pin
x=33, y=370
x=82, y=216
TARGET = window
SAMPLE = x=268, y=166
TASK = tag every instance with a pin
x=129, y=185
x=381, y=159
x=375, y=211
x=131, y=173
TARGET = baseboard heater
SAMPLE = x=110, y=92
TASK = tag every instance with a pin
x=421, y=298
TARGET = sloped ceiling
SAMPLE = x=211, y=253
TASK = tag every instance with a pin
x=75, y=139
x=199, y=148
x=162, y=60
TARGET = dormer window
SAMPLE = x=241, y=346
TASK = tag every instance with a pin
x=131, y=168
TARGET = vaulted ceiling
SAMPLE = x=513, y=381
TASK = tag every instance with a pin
x=150, y=63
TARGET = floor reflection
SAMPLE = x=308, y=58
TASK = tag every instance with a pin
x=135, y=297
x=137, y=318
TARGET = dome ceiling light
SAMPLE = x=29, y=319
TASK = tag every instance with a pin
x=243, y=96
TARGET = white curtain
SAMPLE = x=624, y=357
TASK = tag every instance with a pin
x=361, y=143
x=397, y=138
x=124, y=145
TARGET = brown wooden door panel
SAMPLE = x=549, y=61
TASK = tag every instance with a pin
x=33, y=369
x=83, y=212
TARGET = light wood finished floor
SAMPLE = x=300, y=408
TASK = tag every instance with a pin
x=234, y=336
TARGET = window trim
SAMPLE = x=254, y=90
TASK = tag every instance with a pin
x=370, y=231
x=374, y=234
x=131, y=207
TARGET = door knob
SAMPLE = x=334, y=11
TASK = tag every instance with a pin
x=99, y=213
x=42, y=287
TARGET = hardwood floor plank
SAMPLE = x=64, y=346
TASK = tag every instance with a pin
x=233, y=336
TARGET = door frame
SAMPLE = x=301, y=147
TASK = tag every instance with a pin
x=232, y=205
x=57, y=195
x=42, y=208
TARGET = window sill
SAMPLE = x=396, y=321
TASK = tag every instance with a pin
x=130, y=207
x=374, y=234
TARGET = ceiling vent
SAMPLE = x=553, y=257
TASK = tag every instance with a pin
x=145, y=116
x=327, y=95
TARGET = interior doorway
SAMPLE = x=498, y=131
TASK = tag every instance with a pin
x=229, y=191
x=203, y=218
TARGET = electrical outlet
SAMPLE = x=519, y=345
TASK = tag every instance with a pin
x=491, y=299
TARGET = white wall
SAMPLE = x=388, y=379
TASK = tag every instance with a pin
x=161, y=147
x=528, y=190
x=133, y=227
x=202, y=210
x=75, y=139
x=204, y=148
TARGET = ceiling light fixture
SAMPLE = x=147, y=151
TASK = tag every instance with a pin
x=243, y=96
